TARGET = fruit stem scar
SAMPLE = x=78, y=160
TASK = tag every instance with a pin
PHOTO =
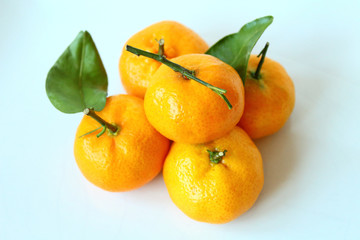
x=256, y=75
x=161, y=43
x=111, y=127
x=216, y=156
x=177, y=68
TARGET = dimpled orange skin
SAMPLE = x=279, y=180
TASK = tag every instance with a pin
x=269, y=101
x=135, y=72
x=126, y=161
x=184, y=110
x=215, y=193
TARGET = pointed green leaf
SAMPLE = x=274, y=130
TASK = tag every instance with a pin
x=235, y=49
x=78, y=79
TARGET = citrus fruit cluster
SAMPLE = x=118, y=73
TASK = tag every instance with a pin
x=188, y=113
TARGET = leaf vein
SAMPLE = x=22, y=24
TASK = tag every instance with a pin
x=83, y=49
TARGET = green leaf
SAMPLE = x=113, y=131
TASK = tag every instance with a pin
x=78, y=79
x=235, y=49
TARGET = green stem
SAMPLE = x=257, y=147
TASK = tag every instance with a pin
x=102, y=132
x=177, y=68
x=91, y=113
x=256, y=75
x=216, y=156
x=92, y=131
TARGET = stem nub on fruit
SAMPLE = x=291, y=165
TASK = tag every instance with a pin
x=256, y=75
x=216, y=156
x=161, y=51
x=177, y=68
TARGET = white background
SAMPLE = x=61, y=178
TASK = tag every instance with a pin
x=311, y=166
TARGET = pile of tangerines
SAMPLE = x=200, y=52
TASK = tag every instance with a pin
x=212, y=169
